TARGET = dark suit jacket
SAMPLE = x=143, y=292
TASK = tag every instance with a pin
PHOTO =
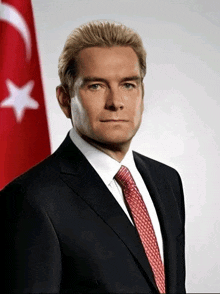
x=66, y=233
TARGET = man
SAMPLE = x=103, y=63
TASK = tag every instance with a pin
x=95, y=217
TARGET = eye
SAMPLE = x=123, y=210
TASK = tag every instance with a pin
x=94, y=86
x=129, y=86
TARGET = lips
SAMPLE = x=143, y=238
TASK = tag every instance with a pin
x=113, y=120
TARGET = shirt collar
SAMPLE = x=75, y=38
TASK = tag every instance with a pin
x=103, y=164
x=128, y=161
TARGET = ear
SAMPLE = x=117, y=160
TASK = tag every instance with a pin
x=63, y=100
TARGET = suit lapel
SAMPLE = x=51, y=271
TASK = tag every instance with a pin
x=164, y=201
x=80, y=176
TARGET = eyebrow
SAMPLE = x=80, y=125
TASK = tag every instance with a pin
x=133, y=78
x=97, y=79
x=93, y=79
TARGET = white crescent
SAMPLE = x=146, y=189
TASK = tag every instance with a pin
x=14, y=17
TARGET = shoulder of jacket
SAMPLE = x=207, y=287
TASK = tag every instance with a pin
x=153, y=164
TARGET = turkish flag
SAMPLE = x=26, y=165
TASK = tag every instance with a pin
x=24, y=138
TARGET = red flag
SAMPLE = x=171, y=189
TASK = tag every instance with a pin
x=24, y=138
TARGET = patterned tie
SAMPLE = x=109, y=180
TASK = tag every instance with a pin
x=143, y=224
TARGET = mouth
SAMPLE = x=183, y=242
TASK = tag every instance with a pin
x=114, y=120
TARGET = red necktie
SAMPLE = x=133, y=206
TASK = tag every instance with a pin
x=143, y=224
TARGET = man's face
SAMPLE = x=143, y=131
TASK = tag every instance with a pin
x=108, y=103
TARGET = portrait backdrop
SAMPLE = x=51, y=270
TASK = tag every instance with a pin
x=180, y=125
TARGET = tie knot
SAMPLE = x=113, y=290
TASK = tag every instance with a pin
x=124, y=177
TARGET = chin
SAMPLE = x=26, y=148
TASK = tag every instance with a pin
x=115, y=140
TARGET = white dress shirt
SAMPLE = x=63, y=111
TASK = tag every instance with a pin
x=107, y=167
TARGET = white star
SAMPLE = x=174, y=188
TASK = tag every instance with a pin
x=19, y=99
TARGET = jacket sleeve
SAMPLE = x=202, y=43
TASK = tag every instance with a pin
x=32, y=252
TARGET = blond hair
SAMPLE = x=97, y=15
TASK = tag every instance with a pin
x=97, y=34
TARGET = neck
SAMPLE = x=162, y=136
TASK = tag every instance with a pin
x=116, y=151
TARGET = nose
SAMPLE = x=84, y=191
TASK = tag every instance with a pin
x=114, y=100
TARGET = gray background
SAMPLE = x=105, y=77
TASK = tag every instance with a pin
x=182, y=88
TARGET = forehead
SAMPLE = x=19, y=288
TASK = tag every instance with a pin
x=107, y=61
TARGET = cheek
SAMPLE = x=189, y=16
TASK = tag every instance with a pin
x=84, y=114
x=142, y=106
x=78, y=112
x=93, y=108
x=90, y=113
x=138, y=108
x=134, y=101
